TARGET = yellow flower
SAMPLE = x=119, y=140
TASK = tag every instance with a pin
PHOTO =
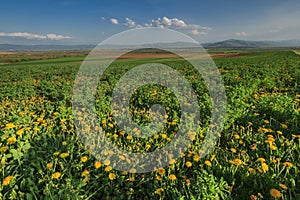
x=49, y=165
x=208, y=163
x=36, y=129
x=112, y=176
x=253, y=147
x=264, y=167
x=11, y=140
x=7, y=180
x=260, y=195
x=233, y=150
x=287, y=164
x=86, y=179
x=279, y=132
x=159, y=191
x=132, y=170
x=56, y=175
x=164, y=136
x=156, y=136
x=158, y=178
x=108, y=168
x=266, y=121
x=284, y=126
x=161, y=171
x=284, y=187
x=236, y=162
x=4, y=148
x=131, y=179
x=64, y=143
x=196, y=158
x=84, y=159
x=64, y=155
x=20, y=132
x=97, y=164
x=236, y=136
x=106, y=162
x=261, y=160
x=275, y=193
x=172, y=177
x=188, y=164
x=124, y=173
x=129, y=137
x=252, y=171
x=85, y=173
x=9, y=126
x=172, y=161
x=272, y=146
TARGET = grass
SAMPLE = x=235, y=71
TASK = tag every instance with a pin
x=257, y=156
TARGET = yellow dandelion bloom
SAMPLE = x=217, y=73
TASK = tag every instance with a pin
x=3, y=149
x=11, y=140
x=131, y=179
x=132, y=170
x=85, y=180
x=106, y=162
x=159, y=191
x=64, y=143
x=252, y=171
x=158, y=178
x=233, y=150
x=196, y=158
x=188, y=164
x=49, y=165
x=212, y=157
x=156, y=136
x=288, y=164
x=284, y=187
x=112, y=176
x=264, y=167
x=266, y=121
x=172, y=161
x=84, y=159
x=172, y=177
x=129, y=137
x=260, y=195
x=85, y=173
x=236, y=162
x=97, y=164
x=108, y=168
x=124, y=173
x=275, y=193
x=272, y=146
x=56, y=153
x=9, y=126
x=36, y=129
x=236, y=136
x=284, y=126
x=161, y=171
x=56, y=175
x=253, y=147
x=164, y=136
x=20, y=132
x=279, y=132
x=261, y=160
x=64, y=155
x=208, y=163
x=7, y=180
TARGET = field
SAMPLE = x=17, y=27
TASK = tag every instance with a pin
x=256, y=157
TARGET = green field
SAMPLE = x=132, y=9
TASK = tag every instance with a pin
x=256, y=157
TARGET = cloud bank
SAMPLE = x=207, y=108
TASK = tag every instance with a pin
x=26, y=35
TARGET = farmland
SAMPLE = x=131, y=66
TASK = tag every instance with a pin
x=256, y=157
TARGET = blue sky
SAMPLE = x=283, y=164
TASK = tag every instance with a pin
x=90, y=22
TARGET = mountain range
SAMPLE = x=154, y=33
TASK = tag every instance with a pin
x=231, y=43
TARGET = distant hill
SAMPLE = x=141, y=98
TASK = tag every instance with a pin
x=232, y=43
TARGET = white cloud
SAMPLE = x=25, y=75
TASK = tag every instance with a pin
x=241, y=34
x=129, y=22
x=26, y=35
x=114, y=21
x=103, y=18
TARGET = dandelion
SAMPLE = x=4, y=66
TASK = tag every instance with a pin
x=264, y=167
x=9, y=126
x=208, y=163
x=106, y=162
x=158, y=178
x=188, y=164
x=64, y=155
x=188, y=181
x=11, y=140
x=3, y=149
x=156, y=136
x=252, y=171
x=266, y=121
x=172, y=177
x=124, y=173
x=84, y=159
x=108, y=168
x=288, y=164
x=196, y=158
x=56, y=175
x=20, y=132
x=97, y=164
x=275, y=193
x=284, y=187
x=284, y=126
x=7, y=180
x=129, y=137
x=172, y=161
x=161, y=171
x=131, y=179
x=36, y=129
x=236, y=136
x=159, y=191
x=64, y=143
x=261, y=160
x=112, y=176
x=236, y=162
x=279, y=132
x=164, y=136
x=260, y=195
x=85, y=180
x=49, y=165
x=132, y=170
x=233, y=150
x=85, y=173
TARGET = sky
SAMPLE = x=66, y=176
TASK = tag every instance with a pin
x=92, y=21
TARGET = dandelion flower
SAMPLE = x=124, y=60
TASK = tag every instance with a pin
x=236, y=136
x=132, y=170
x=108, y=168
x=106, y=162
x=85, y=173
x=161, y=171
x=7, y=180
x=236, y=162
x=252, y=171
x=172, y=177
x=233, y=150
x=131, y=179
x=97, y=164
x=9, y=126
x=64, y=143
x=275, y=193
x=159, y=191
x=284, y=126
x=158, y=178
x=188, y=164
x=11, y=140
x=287, y=164
x=3, y=149
x=284, y=187
x=264, y=167
x=64, y=155
x=208, y=163
x=49, y=165
x=56, y=175
x=261, y=160
x=112, y=176
x=84, y=159
x=85, y=180
x=196, y=158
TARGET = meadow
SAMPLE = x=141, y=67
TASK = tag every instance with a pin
x=256, y=157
